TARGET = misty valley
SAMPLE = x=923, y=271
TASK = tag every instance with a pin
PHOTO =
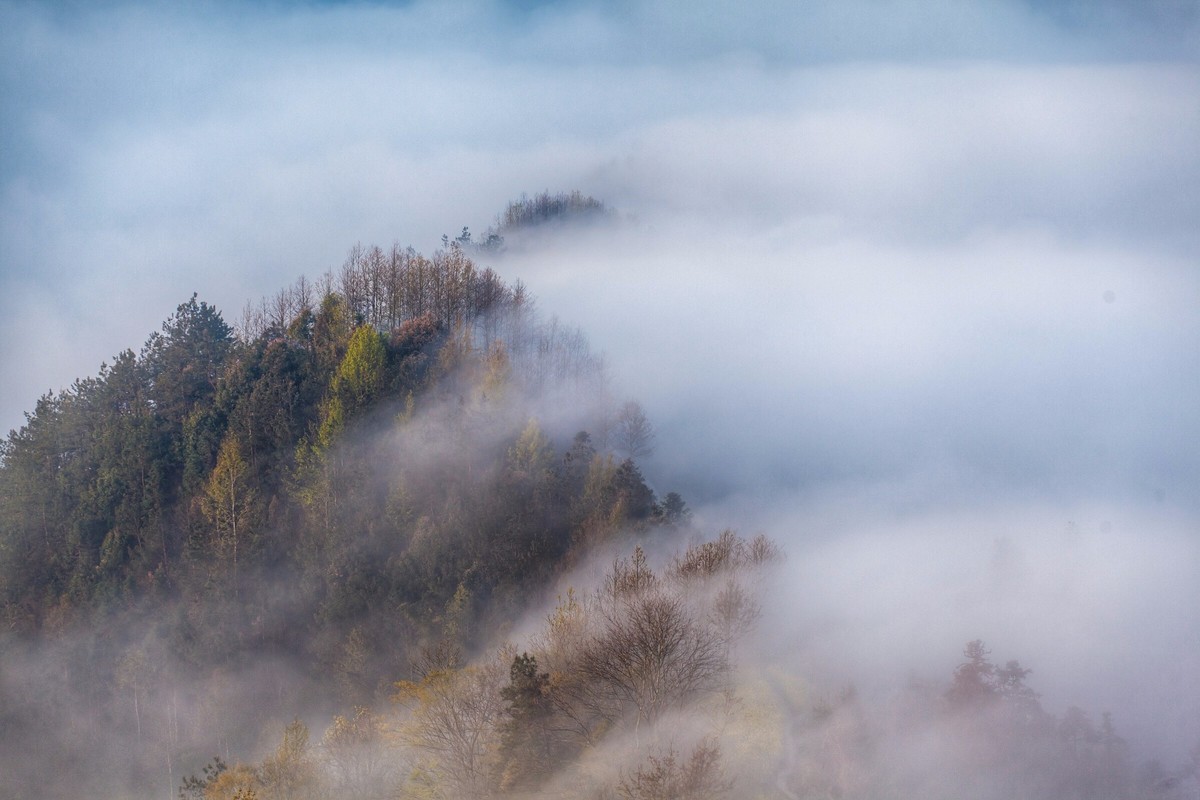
x=393, y=535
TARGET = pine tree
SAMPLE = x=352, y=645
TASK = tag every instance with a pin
x=528, y=751
x=974, y=679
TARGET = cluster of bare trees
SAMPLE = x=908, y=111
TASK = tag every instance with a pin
x=546, y=207
x=592, y=709
x=385, y=288
x=606, y=674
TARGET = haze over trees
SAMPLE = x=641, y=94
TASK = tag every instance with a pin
x=528, y=215
x=391, y=537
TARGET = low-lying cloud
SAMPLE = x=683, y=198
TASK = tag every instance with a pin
x=888, y=271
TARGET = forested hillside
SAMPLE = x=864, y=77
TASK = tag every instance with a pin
x=389, y=538
x=392, y=460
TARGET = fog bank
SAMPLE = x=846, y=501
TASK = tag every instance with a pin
x=910, y=286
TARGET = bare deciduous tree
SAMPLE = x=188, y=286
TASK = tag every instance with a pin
x=633, y=435
x=725, y=554
x=649, y=656
x=455, y=723
x=668, y=777
x=356, y=755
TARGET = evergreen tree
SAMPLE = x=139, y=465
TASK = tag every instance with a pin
x=974, y=679
x=184, y=361
x=529, y=752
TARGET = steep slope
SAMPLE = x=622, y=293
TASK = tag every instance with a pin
x=286, y=517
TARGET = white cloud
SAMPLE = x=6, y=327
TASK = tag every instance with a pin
x=909, y=255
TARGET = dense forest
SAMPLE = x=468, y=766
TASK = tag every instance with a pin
x=389, y=537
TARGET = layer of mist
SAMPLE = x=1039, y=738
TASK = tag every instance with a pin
x=909, y=287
